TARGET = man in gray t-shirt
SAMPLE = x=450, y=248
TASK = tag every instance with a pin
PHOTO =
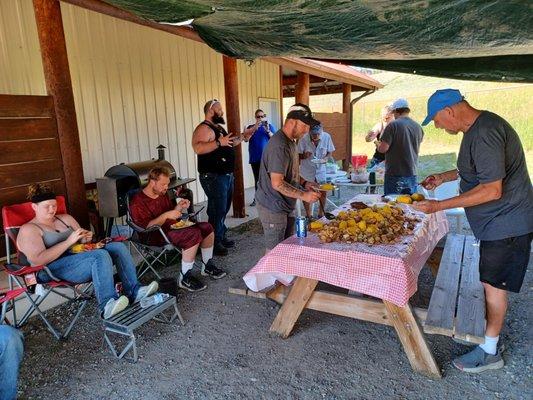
x=400, y=141
x=279, y=178
x=497, y=196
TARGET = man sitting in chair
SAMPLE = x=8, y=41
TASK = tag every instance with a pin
x=152, y=206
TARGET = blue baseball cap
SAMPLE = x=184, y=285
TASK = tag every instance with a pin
x=316, y=130
x=440, y=100
x=399, y=103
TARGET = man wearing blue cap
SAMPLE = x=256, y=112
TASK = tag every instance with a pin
x=400, y=142
x=497, y=195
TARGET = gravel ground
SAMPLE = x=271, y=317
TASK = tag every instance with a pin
x=225, y=352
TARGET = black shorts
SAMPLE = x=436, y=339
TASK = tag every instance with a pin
x=503, y=263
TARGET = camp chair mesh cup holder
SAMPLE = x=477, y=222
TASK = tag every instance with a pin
x=151, y=255
x=13, y=218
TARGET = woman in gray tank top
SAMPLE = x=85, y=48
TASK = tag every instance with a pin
x=47, y=239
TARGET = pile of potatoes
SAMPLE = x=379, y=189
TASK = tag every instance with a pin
x=373, y=225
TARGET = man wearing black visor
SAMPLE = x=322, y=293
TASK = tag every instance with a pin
x=280, y=184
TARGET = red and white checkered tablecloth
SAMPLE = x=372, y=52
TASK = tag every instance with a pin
x=388, y=272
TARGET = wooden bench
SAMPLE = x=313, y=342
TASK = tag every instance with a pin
x=457, y=305
x=125, y=322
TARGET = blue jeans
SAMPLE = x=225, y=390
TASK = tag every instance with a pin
x=219, y=191
x=97, y=266
x=400, y=184
x=11, y=350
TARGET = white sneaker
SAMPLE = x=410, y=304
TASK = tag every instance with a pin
x=113, y=306
x=145, y=291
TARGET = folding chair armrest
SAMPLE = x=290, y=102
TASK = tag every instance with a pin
x=18, y=270
x=11, y=294
x=165, y=236
x=140, y=229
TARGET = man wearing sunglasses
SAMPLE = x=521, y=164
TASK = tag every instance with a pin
x=216, y=162
x=280, y=184
x=262, y=132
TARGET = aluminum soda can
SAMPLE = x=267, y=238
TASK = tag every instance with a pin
x=301, y=227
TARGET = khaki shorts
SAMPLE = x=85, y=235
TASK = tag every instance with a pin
x=276, y=226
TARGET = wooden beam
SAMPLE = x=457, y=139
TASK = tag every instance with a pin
x=280, y=96
x=346, y=97
x=413, y=340
x=231, y=90
x=59, y=86
x=371, y=310
x=347, y=109
x=293, y=80
x=327, y=70
x=107, y=9
x=302, y=88
x=293, y=306
x=290, y=91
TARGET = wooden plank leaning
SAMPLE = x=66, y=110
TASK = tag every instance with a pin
x=470, y=319
x=441, y=312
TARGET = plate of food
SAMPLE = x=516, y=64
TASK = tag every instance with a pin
x=182, y=224
x=404, y=198
x=82, y=247
x=326, y=187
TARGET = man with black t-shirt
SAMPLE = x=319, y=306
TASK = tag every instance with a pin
x=216, y=161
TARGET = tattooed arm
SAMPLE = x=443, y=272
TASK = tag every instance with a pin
x=286, y=189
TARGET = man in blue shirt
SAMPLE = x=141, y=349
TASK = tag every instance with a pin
x=497, y=196
x=257, y=143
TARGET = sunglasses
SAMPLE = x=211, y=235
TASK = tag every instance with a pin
x=305, y=111
x=212, y=103
x=260, y=116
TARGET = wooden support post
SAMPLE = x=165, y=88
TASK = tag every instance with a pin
x=280, y=96
x=347, y=109
x=413, y=340
x=293, y=306
x=59, y=86
x=302, y=88
x=231, y=89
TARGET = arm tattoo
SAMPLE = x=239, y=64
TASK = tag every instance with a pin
x=288, y=190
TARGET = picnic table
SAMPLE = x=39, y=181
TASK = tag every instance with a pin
x=388, y=273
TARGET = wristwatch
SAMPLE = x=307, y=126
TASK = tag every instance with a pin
x=218, y=143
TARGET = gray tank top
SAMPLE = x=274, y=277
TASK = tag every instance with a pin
x=51, y=238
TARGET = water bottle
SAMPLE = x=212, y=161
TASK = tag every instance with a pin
x=153, y=300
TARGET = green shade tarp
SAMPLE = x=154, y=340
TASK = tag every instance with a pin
x=476, y=39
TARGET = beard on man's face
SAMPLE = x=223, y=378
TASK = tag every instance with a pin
x=218, y=119
x=159, y=191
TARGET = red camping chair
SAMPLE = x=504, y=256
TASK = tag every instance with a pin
x=24, y=276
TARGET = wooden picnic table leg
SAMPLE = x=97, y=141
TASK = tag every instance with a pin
x=413, y=340
x=293, y=306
